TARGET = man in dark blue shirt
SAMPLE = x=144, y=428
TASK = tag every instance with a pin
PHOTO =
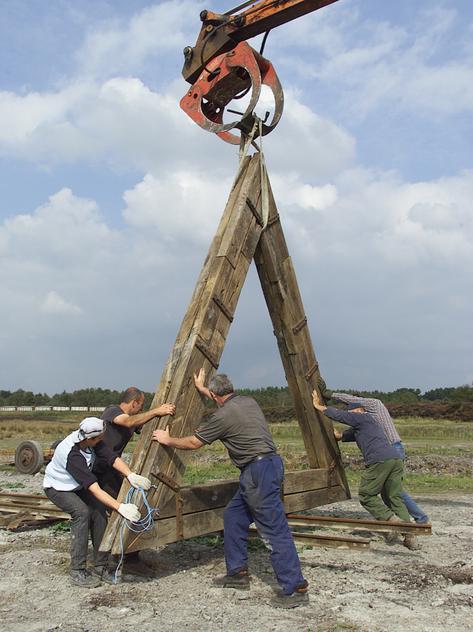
x=384, y=467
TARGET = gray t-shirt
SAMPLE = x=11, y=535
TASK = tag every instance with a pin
x=241, y=427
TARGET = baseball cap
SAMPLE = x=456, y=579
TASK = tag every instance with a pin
x=91, y=427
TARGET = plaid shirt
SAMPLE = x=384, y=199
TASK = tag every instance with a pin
x=376, y=408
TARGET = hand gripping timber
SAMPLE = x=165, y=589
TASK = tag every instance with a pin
x=230, y=76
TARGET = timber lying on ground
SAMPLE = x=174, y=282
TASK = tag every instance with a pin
x=20, y=510
x=371, y=525
x=198, y=510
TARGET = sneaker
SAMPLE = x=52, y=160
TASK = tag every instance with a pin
x=240, y=580
x=83, y=578
x=411, y=543
x=297, y=598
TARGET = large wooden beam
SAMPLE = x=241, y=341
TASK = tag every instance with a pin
x=290, y=324
x=210, y=520
x=240, y=238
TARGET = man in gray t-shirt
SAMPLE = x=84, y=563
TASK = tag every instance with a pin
x=240, y=425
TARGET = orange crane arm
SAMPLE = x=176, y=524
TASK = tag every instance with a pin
x=221, y=32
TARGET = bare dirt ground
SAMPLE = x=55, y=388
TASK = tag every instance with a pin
x=384, y=588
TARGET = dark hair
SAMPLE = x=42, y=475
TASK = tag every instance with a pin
x=220, y=385
x=131, y=394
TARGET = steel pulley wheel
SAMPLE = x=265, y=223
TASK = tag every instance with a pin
x=29, y=457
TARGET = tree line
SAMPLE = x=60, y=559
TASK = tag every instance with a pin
x=267, y=397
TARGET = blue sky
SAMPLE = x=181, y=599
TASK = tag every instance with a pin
x=109, y=195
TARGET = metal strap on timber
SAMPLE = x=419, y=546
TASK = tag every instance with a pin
x=312, y=370
x=171, y=483
x=300, y=325
x=254, y=210
x=273, y=220
x=223, y=308
x=203, y=348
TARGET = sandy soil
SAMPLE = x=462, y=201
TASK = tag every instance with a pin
x=384, y=588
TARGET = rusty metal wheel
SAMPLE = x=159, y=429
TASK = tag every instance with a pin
x=29, y=457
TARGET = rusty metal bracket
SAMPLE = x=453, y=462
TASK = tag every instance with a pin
x=300, y=325
x=223, y=308
x=176, y=488
x=273, y=220
x=203, y=348
x=311, y=371
x=254, y=210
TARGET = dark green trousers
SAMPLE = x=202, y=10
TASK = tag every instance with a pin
x=384, y=478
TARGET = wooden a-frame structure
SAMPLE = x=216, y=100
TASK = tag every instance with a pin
x=243, y=234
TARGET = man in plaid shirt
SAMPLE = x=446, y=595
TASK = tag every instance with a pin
x=379, y=411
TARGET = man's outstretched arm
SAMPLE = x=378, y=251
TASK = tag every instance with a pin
x=134, y=421
x=190, y=442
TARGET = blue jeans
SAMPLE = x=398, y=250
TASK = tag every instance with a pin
x=258, y=500
x=412, y=507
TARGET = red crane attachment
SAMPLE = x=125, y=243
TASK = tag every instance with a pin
x=222, y=67
x=228, y=77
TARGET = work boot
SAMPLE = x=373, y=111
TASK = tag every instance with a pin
x=240, y=580
x=300, y=597
x=411, y=543
x=393, y=536
x=82, y=577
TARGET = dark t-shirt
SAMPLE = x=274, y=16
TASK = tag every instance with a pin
x=78, y=467
x=116, y=436
x=368, y=434
x=241, y=427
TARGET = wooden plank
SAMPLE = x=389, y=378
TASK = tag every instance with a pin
x=30, y=503
x=332, y=541
x=217, y=494
x=209, y=521
x=284, y=302
x=357, y=523
x=313, y=498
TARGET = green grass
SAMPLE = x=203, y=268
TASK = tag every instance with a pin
x=422, y=483
x=422, y=436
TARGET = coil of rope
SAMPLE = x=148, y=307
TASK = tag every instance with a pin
x=146, y=523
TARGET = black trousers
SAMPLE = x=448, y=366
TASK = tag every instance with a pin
x=87, y=513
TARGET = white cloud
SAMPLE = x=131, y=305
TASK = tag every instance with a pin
x=124, y=47
x=383, y=263
x=308, y=144
x=289, y=190
x=182, y=206
x=424, y=65
x=54, y=303
x=124, y=124
x=399, y=223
